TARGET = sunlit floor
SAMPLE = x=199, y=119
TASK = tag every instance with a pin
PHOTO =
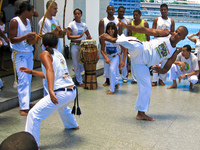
x=108, y=121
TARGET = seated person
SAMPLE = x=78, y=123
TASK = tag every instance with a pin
x=185, y=66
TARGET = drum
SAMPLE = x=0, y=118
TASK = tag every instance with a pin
x=88, y=53
x=89, y=56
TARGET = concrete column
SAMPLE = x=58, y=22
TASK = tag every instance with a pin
x=93, y=17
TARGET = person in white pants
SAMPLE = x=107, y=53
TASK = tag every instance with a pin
x=22, y=53
x=162, y=22
x=61, y=88
x=76, y=31
x=124, y=70
x=110, y=53
x=148, y=54
x=51, y=24
x=102, y=29
x=185, y=66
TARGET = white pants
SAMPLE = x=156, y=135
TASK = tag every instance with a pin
x=24, y=79
x=113, y=71
x=141, y=71
x=124, y=70
x=106, y=70
x=44, y=108
x=78, y=68
x=157, y=76
x=132, y=72
x=175, y=71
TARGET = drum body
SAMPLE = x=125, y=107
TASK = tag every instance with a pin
x=89, y=56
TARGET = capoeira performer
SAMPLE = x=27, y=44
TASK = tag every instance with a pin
x=61, y=89
x=51, y=24
x=124, y=70
x=102, y=29
x=22, y=53
x=148, y=54
x=111, y=53
x=76, y=32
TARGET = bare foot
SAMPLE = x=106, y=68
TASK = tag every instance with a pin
x=81, y=85
x=191, y=86
x=172, y=86
x=143, y=116
x=161, y=83
x=154, y=84
x=106, y=84
x=117, y=86
x=23, y=112
x=109, y=92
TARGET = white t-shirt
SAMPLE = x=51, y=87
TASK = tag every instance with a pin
x=78, y=29
x=62, y=77
x=49, y=26
x=164, y=23
x=106, y=21
x=153, y=51
x=21, y=31
x=112, y=48
x=191, y=63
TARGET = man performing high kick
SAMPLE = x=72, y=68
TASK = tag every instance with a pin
x=146, y=54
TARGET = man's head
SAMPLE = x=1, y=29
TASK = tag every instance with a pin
x=136, y=14
x=186, y=50
x=53, y=9
x=121, y=12
x=110, y=10
x=164, y=10
x=19, y=141
x=179, y=35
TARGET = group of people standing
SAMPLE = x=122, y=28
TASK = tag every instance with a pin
x=117, y=36
x=158, y=54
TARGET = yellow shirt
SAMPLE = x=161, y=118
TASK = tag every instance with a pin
x=139, y=36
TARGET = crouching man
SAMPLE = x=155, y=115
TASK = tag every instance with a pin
x=185, y=66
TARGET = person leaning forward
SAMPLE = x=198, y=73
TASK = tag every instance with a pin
x=146, y=54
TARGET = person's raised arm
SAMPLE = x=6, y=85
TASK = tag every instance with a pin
x=35, y=73
x=147, y=31
x=191, y=38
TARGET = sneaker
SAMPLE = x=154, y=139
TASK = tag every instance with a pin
x=125, y=80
